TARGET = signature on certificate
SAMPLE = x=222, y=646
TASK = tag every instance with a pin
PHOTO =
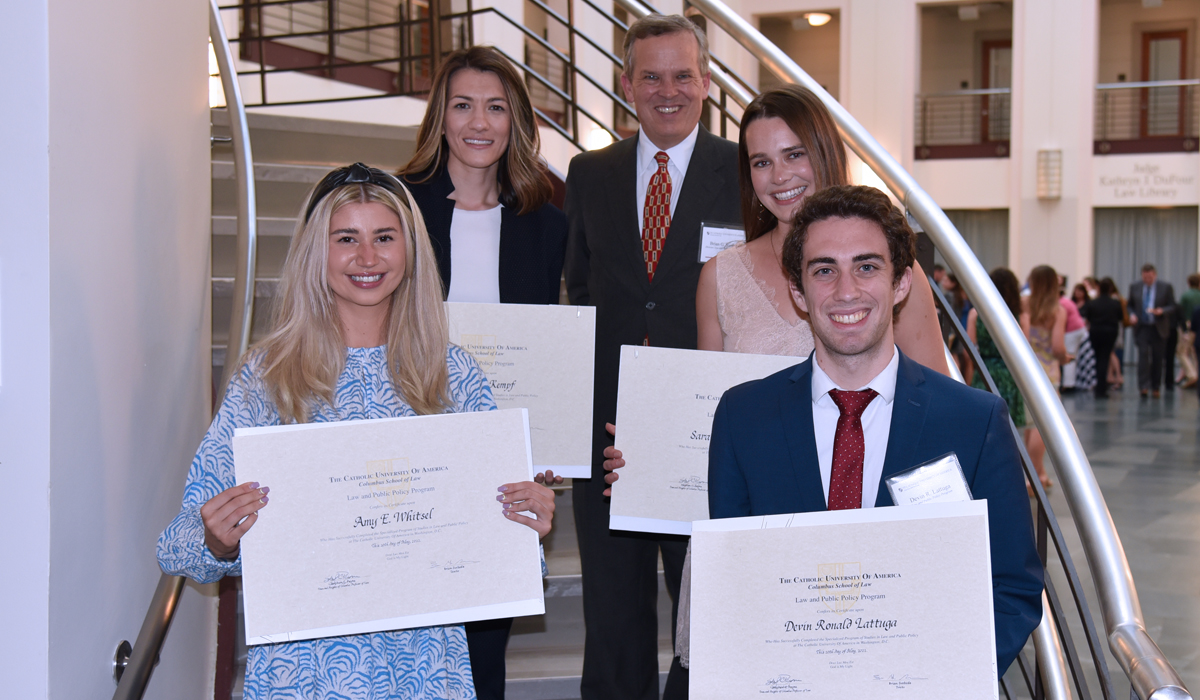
x=453, y=566
x=691, y=483
x=784, y=684
x=898, y=680
x=342, y=579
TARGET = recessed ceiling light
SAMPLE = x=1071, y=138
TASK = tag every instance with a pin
x=818, y=19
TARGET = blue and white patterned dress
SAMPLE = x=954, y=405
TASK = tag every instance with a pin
x=421, y=664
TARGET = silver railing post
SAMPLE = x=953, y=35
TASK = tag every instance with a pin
x=241, y=320
x=1144, y=663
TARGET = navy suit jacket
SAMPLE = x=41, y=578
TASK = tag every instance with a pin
x=763, y=461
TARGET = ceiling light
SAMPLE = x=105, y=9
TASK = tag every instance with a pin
x=967, y=13
x=818, y=19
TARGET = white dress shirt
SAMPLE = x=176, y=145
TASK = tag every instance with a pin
x=475, y=256
x=876, y=422
x=678, y=157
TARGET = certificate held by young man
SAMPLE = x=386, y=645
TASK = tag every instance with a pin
x=871, y=603
x=386, y=524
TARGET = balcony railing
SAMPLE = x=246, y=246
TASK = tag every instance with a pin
x=1149, y=117
x=380, y=49
x=963, y=124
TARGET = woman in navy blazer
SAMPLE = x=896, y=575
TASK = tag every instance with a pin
x=484, y=193
x=477, y=163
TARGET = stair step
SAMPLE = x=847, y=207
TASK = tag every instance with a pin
x=274, y=172
x=225, y=225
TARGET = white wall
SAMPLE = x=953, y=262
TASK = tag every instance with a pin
x=104, y=309
x=25, y=353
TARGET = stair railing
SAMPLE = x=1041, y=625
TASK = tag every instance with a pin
x=1149, y=672
x=133, y=666
x=241, y=320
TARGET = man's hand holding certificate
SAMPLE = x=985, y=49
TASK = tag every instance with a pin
x=386, y=524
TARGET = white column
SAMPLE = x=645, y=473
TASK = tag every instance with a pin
x=25, y=353
x=103, y=340
x=1054, y=78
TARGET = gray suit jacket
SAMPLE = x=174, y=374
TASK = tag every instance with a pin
x=605, y=267
x=1164, y=298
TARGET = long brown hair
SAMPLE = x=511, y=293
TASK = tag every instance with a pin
x=808, y=119
x=524, y=182
x=1043, y=295
x=304, y=355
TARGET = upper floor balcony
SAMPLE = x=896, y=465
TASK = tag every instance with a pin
x=963, y=124
x=1147, y=117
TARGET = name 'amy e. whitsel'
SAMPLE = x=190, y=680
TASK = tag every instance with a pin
x=400, y=516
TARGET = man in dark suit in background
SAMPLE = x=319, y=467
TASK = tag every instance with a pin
x=1152, y=312
x=799, y=441
x=634, y=213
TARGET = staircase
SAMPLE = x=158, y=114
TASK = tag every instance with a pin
x=545, y=653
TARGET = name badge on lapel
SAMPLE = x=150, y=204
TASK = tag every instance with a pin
x=716, y=236
x=940, y=480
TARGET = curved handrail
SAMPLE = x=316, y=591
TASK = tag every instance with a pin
x=242, y=318
x=141, y=663
x=1149, y=672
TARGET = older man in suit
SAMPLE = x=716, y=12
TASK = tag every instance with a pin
x=1152, y=313
x=634, y=213
x=827, y=433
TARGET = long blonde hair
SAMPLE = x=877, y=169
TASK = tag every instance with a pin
x=524, y=182
x=305, y=354
x=1043, y=295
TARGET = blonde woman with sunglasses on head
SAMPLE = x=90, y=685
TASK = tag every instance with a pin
x=359, y=333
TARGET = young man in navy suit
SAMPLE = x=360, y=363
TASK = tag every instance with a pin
x=849, y=257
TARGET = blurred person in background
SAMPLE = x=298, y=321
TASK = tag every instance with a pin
x=1105, y=317
x=1047, y=327
x=1189, y=301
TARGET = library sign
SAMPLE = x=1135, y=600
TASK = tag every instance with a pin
x=1153, y=179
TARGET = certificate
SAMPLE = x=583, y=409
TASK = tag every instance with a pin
x=665, y=404
x=385, y=524
x=872, y=603
x=541, y=358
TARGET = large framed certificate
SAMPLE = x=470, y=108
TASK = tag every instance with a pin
x=541, y=358
x=851, y=603
x=665, y=404
x=385, y=524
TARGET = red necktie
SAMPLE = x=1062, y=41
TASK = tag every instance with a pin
x=846, y=477
x=656, y=214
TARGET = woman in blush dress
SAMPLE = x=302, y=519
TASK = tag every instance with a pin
x=789, y=148
x=1046, y=332
x=359, y=332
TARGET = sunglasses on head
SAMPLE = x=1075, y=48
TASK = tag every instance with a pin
x=357, y=174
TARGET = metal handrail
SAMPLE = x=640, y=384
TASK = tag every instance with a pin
x=137, y=669
x=134, y=672
x=977, y=91
x=1149, y=672
x=1148, y=84
x=242, y=317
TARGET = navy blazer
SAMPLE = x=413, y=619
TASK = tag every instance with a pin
x=763, y=461
x=532, y=246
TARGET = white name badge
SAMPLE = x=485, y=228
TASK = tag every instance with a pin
x=715, y=237
x=939, y=480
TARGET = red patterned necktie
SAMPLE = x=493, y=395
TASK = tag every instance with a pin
x=656, y=215
x=846, y=476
